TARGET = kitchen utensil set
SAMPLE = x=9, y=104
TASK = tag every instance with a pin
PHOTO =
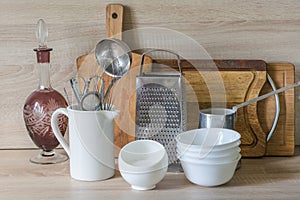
x=114, y=58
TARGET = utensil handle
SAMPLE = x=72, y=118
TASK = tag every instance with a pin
x=265, y=96
x=164, y=50
x=75, y=87
x=277, y=103
x=56, y=131
x=114, y=21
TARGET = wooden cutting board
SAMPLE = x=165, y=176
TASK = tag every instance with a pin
x=226, y=83
x=244, y=80
x=282, y=142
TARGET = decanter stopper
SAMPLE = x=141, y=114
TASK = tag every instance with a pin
x=42, y=52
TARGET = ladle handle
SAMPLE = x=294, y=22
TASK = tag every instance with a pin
x=265, y=96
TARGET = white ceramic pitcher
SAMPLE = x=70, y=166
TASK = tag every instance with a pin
x=91, y=142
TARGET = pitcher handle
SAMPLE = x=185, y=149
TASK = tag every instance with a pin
x=56, y=130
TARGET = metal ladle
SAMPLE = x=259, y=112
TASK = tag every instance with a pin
x=114, y=57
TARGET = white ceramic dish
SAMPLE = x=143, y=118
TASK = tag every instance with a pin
x=144, y=181
x=217, y=138
x=217, y=150
x=212, y=153
x=208, y=160
x=143, y=163
x=209, y=174
x=142, y=156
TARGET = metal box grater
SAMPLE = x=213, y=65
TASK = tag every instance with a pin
x=160, y=115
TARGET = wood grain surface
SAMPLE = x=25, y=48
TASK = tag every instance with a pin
x=271, y=178
x=114, y=20
x=224, y=84
x=238, y=77
x=226, y=29
x=282, y=142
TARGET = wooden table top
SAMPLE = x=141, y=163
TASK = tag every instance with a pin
x=258, y=178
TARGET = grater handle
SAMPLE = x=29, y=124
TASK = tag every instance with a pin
x=165, y=50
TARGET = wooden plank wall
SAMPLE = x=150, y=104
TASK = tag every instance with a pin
x=227, y=29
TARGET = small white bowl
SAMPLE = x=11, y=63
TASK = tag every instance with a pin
x=209, y=174
x=211, y=138
x=144, y=181
x=143, y=163
x=142, y=156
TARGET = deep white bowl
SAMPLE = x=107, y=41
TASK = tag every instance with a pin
x=209, y=174
x=208, y=138
x=233, y=152
x=143, y=163
x=209, y=154
x=209, y=160
x=218, y=150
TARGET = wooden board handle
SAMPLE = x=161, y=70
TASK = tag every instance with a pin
x=114, y=21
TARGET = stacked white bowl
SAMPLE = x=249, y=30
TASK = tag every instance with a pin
x=209, y=156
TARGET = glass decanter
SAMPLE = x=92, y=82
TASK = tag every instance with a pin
x=41, y=103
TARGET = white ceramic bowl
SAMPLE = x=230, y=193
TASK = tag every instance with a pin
x=143, y=163
x=218, y=150
x=144, y=180
x=209, y=174
x=209, y=160
x=211, y=154
x=210, y=138
x=142, y=156
x=210, y=157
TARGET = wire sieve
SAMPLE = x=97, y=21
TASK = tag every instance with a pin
x=159, y=106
